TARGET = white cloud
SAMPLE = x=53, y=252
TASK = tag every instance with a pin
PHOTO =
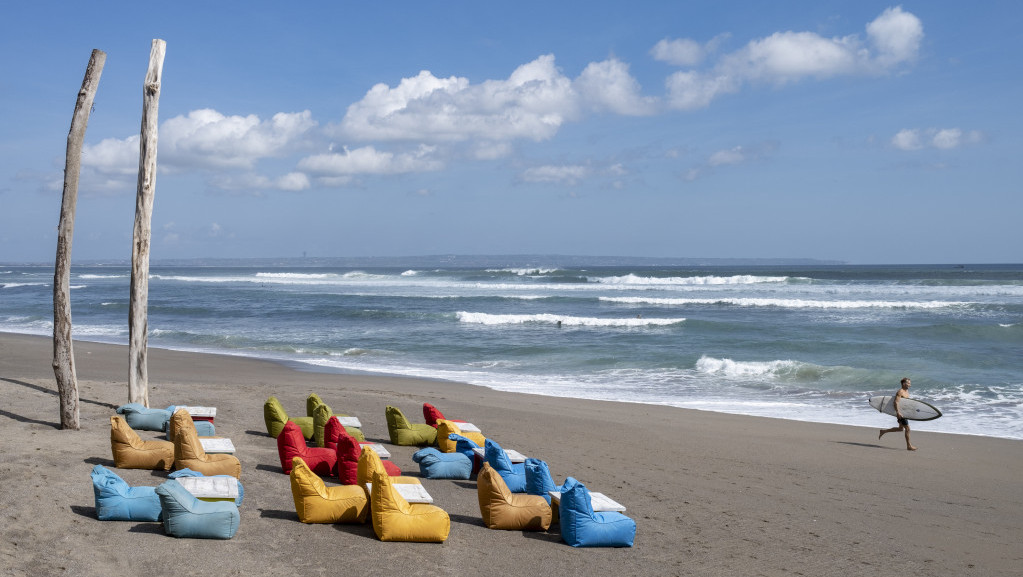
x=893, y=39
x=685, y=51
x=569, y=174
x=734, y=156
x=369, y=160
x=210, y=139
x=532, y=103
x=608, y=86
x=941, y=138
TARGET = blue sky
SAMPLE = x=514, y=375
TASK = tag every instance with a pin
x=867, y=132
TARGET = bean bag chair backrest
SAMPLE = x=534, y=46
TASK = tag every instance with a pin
x=321, y=414
x=436, y=465
x=186, y=516
x=274, y=416
x=514, y=474
x=501, y=509
x=348, y=452
x=189, y=453
x=395, y=519
x=446, y=428
x=582, y=527
x=539, y=480
x=291, y=443
x=202, y=428
x=116, y=501
x=317, y=503
x=402, y=432
x=311, y=402
x=131, y=452
x=143, y=418
x=431, y=414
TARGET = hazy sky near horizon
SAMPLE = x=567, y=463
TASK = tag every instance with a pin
x=868, y=132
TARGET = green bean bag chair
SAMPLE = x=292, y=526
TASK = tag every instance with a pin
x=402, y=432
x=275, y=417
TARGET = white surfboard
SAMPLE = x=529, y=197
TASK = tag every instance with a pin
x=912, y=409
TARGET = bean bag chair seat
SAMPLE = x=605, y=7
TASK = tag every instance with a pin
x=501, y=509
x=514, y=474
x=117, y=501
x=315, y=502
x=539, y=480
x=190, y=473
x=432, y=414
x=371, y=463
x=186, y=516
x=582, y=527
x=189, y=454
x=436, y=465
x=143, y=418
x=348, y=452
x=275, y=417
x=131, y=452
x=446, y=428
x=291, y=444
x=395, y=519
x=404, y=433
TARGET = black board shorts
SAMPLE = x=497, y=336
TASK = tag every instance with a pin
x=903, y=422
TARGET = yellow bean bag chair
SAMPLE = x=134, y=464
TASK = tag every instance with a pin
x=370, y=464
x=395, y=519
x=502, y=509
x=317, y=503
x=275, y=417
x=445, y=428
x=131, y=452
x=189, y=454
x=402, y=432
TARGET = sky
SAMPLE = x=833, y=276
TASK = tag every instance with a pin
x=858, y=131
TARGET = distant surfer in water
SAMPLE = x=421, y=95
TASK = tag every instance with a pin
x=902, y=393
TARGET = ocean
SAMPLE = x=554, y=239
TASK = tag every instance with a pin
x=808, y=342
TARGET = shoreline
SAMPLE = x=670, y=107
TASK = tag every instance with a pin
x=712, y=493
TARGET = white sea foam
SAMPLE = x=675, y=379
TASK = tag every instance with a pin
x=730, y=368
x=788, y=303
x=492, y=319
x=632, y=279
x=410, y=273
x=102, y=276
x=21, y=284
x=524, y=271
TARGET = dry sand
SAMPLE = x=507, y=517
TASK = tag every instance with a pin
x=712, y=494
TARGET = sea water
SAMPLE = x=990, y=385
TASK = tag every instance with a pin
x=809, y=342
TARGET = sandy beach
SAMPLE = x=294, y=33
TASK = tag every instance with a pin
x=712, y=494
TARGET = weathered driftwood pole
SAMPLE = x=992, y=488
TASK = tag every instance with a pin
x=138, y=322
x=63, y=350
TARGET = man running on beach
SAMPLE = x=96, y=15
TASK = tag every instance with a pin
x=902, y=393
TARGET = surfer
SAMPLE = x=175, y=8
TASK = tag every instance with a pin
x=902, y=393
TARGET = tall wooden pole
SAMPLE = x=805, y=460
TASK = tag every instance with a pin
x=63, y=350
x=138, y=323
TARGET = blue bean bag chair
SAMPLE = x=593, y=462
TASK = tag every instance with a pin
x=142, y=418
x=436, y=465
x=539, y=480
x=514, y=475
x=186, y=472
x=582, y=527
x=116, y=501
x=186, y=516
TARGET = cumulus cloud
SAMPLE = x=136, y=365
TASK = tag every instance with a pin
x=255, y=184
x=532, y=103
x=210, y=139
x=892, y=39
x=608, y=86
x=940, y=138
x=685, y=51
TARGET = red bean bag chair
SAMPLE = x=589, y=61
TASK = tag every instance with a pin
x=432, y=415
x=348, y=451
x=291, y=444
